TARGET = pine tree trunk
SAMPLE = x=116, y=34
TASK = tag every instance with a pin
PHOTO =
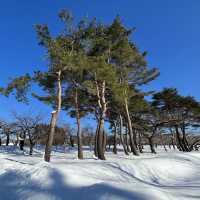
x=121, y=135
x=31, y=148
x=100, y=140
x=104, y=141
x=71, y=141
x=115, y=139
x=151, y=144
x=135, y=137
x=173, y=142
x=49, y=143
x=100, y=128
x=79, y=136
x=140, y=143
x=130, y=130
x=54, y=116
x=179, y=139
x=127, y=141
x=95, y=140
x=165, y=148
x=21, y=145
x=7, y=139
x=184, y=140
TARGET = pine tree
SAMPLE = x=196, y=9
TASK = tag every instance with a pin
x=131, y=68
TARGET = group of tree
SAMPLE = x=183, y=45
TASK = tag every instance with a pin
x=29, y=130
x=95, y=68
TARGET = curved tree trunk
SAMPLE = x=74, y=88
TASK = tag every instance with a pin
x=132, y=143
x=54, y=116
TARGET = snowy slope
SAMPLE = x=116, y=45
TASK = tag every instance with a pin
x=165, y=176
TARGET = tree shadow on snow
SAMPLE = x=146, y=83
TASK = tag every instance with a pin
x=15, y=185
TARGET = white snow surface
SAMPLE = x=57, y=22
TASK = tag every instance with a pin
x=168, y=175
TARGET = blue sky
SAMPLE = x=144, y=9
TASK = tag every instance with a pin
x=169, y=30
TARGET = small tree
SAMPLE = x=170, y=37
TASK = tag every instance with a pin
x=28, y=126
x=7, y=130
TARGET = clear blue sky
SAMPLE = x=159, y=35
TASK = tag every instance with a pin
x=169, y=30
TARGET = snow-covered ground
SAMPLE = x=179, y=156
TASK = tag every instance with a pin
x=166, y=176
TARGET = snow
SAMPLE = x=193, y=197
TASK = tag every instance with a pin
x=168, y=175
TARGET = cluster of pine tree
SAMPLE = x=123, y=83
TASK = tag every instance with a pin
x=95, y=68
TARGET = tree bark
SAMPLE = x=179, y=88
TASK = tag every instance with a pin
x=31, y=148
x=79, y=136
x=179, y=139
x=140, y=143
x=54, y=116
x=151, y=144
x=115, y=139
x=95, y=140
x=135, y=137
x=127, y=141
x=71, y=141
x=21, y=145
x=184, y=140
x=100, y=139
x=173, y=142
x=132, y=143
x=7, y=139
x=100, y=129
x=104, y=141
x=121, y=135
